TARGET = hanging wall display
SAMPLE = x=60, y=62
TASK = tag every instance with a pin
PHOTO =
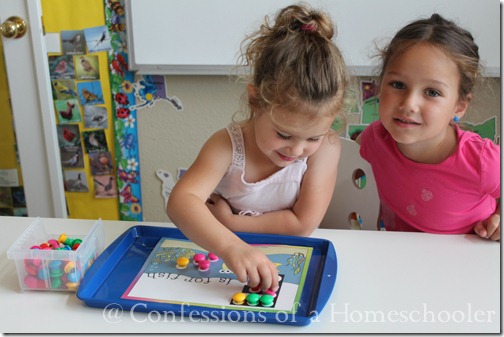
x=124, y=116
x=82, y=104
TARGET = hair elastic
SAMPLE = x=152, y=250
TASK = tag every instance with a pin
x=456, y=119
x=309, y=27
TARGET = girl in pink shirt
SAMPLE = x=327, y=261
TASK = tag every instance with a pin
x=432, y=176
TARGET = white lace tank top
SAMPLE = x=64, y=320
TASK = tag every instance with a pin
x=276, y=192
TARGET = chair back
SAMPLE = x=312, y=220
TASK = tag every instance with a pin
x=355, y=203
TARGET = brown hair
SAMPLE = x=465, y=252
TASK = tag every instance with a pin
x=455, y=41
x=294, y=64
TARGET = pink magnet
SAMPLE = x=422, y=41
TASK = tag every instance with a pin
x=31, y=281
x=198, y=257
x=270, y=292
x=204, y=265
x=54, y=244
x=31, y=269
x=212, y=257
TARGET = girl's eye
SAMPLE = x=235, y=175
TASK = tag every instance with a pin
x=432, y=93
x=397, y=85
x=282, y=136
x=314, y=140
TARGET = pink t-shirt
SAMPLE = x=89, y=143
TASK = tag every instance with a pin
x=446, y=198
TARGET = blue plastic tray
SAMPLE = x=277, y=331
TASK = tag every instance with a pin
x=115, y=269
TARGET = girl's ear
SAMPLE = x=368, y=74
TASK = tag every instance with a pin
x=462, y=106
x=251, y=90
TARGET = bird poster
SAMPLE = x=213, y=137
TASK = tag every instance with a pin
x=95, y=141
x=105, y=186
x=101, y=163
x=64, y=89
x=70, y=146
x=97, y=39
x=72, y=157
x=68, y=135
x=61, y=67
x=68, y=111
x=95, y=117
x=73, y=42
x=90, y=92
x=75, y=181
x=87, y=67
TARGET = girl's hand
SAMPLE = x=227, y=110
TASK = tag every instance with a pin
x=252, y=266
x=220, y=209
x=489, y=228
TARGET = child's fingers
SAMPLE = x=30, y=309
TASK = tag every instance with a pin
x=480, y=229
x=266, y=277
x=274, y=281
x=241, y=274
x=495, y=236
x=494, y=232
x=490, y=230
x=254, y=279
x=212, y=199
x=491, y=226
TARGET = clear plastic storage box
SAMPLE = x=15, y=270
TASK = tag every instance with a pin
x=51, y=269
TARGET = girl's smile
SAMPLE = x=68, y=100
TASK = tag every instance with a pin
x=405, y=122
x=286, y=158
x=419, y=98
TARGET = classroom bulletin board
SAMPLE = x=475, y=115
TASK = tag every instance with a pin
x=101, y=180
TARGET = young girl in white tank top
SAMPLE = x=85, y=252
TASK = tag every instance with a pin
x=280, y=164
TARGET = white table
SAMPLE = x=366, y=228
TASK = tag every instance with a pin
x=387, y=282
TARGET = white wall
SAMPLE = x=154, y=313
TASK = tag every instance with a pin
x=171, y=139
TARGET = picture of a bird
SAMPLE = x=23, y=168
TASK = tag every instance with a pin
x=67, y=114
x=95, y=116
x=72, y=161
x=94, y=141
x=108, y=186
x=60, y=68
x=63, y=90
x=75, y=41
x=88, y=96
x=76, y=185
x=102, y=38
x=68, y=135
x=100, y=163
x=98, y=119
x=86, y=64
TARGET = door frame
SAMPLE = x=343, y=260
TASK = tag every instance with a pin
x=34, y=118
